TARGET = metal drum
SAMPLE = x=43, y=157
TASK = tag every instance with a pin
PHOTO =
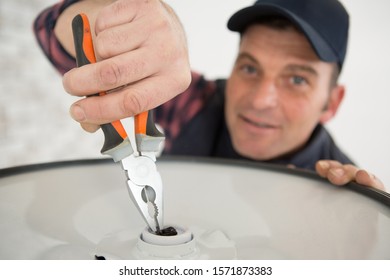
x=233, y=210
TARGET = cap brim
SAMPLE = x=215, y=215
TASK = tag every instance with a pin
x=241, y=19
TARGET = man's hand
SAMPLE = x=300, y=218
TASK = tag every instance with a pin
x=341, y=174
x=142, y=57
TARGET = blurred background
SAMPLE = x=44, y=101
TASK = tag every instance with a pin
x=35, y=126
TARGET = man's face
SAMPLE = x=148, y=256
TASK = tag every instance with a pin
x=277, y=93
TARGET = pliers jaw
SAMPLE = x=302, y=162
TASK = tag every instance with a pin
x=145, y=188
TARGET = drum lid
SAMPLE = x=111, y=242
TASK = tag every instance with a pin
x=77, y=209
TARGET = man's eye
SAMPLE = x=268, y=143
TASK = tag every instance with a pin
x=298, y=80
x=248, y=69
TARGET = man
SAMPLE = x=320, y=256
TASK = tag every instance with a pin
x=281, y=90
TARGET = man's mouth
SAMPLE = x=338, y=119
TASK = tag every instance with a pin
x=259, y=124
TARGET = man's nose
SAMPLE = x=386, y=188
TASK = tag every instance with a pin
x=264, y=95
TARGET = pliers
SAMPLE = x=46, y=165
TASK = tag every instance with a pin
x=143, y=180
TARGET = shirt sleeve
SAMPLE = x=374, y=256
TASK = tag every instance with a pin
x=44, y=32
x=177, y=113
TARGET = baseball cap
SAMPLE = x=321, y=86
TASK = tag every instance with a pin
x=325, y=23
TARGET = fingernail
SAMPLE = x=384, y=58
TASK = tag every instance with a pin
x=77, y=113
x=337, y=172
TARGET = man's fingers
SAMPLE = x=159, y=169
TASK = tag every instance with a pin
x=109, y=74
x=368, y=179
x=128, y=68
x=105, y=109
x=126, y=102
x=342, y=175
x=323, y=167
x=119, y=39
x=336, y=172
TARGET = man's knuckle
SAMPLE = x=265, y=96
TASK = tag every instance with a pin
x=133, y=103
x=109, y=75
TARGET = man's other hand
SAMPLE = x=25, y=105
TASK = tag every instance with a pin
x=341, y=174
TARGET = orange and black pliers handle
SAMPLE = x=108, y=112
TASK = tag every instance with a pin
x=116, y=142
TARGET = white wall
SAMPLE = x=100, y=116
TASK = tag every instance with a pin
x=34, y=121
x=362, y=125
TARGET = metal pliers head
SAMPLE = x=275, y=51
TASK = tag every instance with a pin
x=145, y=188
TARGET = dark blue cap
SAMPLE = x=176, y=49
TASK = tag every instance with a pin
x=325, y=23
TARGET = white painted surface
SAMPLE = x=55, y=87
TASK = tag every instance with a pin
x=233, y=211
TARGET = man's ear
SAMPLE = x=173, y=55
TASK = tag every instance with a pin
x=335, y=98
